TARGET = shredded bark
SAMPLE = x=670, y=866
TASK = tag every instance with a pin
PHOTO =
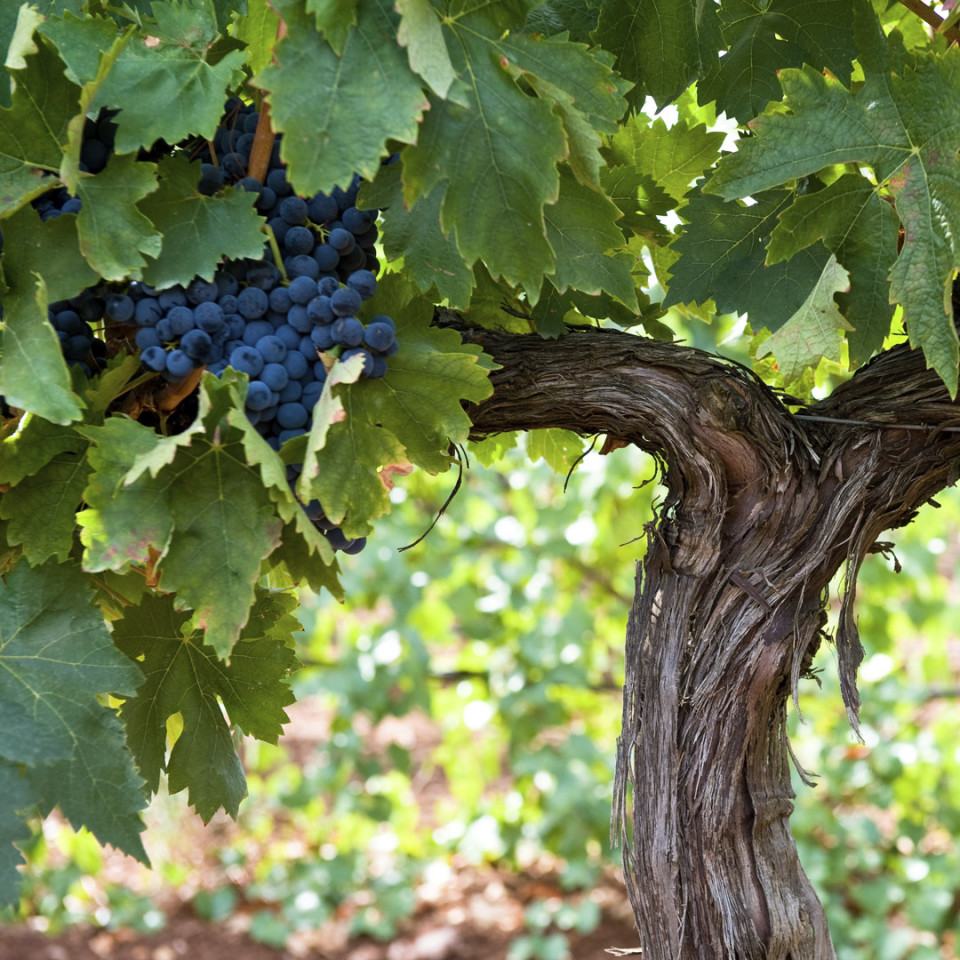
x=763, y=509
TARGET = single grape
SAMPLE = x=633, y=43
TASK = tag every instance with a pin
x=291, y=415
x=275, y=376
x=197, y=345
x=348, y=331
x=255, y=330
x=345, y=302
x=246, y=360
x=252, y=303
x=272, y=349
x=259, y=395
x=179, y=364
x=302, y=290
x=379, y=336
x=364, y=282
x=293, y=210
x=154, y=358
x=119, y=308
x=341, y=240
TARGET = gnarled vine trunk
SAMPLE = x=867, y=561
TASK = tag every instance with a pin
x=764, y=507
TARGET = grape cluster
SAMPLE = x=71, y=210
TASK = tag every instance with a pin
x=280, y=323
x=318, y=235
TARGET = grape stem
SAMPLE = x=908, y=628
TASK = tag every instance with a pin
x=933, y=18
x=262, y=145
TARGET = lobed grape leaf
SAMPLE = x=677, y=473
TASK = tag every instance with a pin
x=431, y=260
x=33, y=374
x=421, y=34
x=195, y=500
x=862, y=229
x=673, y=156
x=198, y=231
x=164, y=82
x=334, y=18
x=640, y=201
x=114, y=234
x=659, y=44
x=348, y=482
x=723, y=251
x=904, y=122
x=34, y=127
x=17, y=26
x=420, y=398
x=763, y=37
x=560, y=449
x=183, y=675
x=813, y=331
x=496, y=152
x=258, y=30
x=336, y=112
x=80, y=42
x=588, y=100
x=582, y=229
x=56, y=655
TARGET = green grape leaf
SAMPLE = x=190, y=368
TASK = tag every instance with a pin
x=421, y=34
x=904, y=122
x=198, y=231
x=348, y=482
x=430, y=259
x=18, y=802
x=53, y=493
x=33, y=374
x=491, y=449
x=80, y=42
x=560, y=449
x=497, y=155
x=224, y=525
x=588, y=100
x=183, y=675
x=420, y=397
x=673, y=156
x=336, y=112
x=42, y=511
x=582, y=228
x=195, y=500
x=30, y=246
x=862, y=229
x=167, y=88
x=763, y=37
x=813, y=331
x=56, y=655
x=17, y=27
x=723, y=252
x=34, y=127
x=334, y=18
x=122, y=522
x=114, y=234
x=657, y=43
x=639, y=199
x=258, y=30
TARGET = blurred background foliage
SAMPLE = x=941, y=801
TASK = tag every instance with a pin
x=463, y=708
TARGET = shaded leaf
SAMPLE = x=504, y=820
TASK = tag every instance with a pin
x=813, y=331
x=198, y=231
x=337, y=111
x=183, y=675
x=904, y=122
